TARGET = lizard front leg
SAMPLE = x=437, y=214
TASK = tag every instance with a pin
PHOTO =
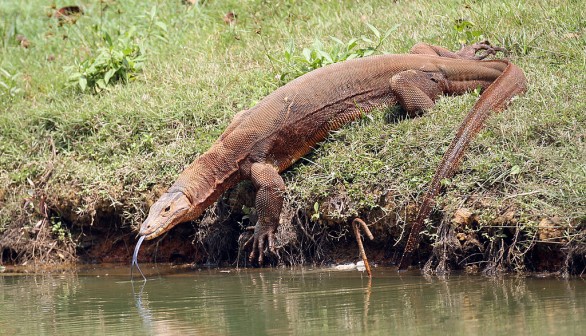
x=269, y=202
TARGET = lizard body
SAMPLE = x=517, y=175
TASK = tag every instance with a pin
x=265, y=140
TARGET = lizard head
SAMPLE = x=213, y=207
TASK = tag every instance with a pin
x=171, y=209
x=194, y=191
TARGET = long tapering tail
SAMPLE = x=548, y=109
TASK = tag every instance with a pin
x=495, y=98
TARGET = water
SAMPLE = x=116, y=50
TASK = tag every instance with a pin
x=287, y=302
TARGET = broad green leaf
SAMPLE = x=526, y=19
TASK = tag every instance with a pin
x=82, y=83
x=337, y=40
x=352, y=43
x=161, y=25
x=108, y=38
x=446, y=182
x=291, y=47
x=390, y=31
x=366, y=39
x=307, y=54
x=368, y=52
x=153, y=12
x=75, y=76
x=326, y=56
x=109, y=75
x=374, y=30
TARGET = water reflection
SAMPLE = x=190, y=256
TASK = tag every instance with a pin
x=142, y=306
x=269, y=302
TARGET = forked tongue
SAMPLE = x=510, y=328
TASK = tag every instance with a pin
x=134, y=259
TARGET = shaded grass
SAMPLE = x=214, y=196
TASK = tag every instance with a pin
x=115, y=149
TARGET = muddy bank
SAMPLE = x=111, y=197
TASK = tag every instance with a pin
x=49, y=232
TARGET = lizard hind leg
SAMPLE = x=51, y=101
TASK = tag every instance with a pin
x=269, y=202
x=471, y=51
x=466, y=52
x=416, y=91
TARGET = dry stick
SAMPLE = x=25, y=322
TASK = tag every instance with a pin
x=367, y=304
x=356, y=224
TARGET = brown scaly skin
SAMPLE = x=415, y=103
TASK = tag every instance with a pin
x=267, y=139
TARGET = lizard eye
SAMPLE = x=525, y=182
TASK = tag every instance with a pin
x=168, y=208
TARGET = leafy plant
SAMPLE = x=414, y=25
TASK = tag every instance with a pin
x=152, y=26
x=118, y=61
x=317, y=57
x=59, y=230
x=315, y=216
x=465, y=31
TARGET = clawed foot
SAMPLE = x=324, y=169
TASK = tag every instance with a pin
x=259, y=238
x=470, y=52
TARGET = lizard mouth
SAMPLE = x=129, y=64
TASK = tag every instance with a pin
x=170, y=210
x=153, y=232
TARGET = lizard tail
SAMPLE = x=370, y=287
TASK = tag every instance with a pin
x=510, y=83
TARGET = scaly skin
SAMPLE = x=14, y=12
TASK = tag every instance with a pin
x=262, y=142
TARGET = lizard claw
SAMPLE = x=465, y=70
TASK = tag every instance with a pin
x=470, y=52
x=258, y=246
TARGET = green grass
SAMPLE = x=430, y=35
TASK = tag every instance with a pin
x=113, y=148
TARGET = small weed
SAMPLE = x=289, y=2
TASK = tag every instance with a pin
x=9, y=83
x=466, y=33
x=118, y=61
x=59, y=230
x=316, y=214
x=317, y=57
x=152, y=27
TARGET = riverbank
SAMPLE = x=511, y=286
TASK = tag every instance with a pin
x=82, y=160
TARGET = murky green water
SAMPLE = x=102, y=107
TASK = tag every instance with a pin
x=287, y=302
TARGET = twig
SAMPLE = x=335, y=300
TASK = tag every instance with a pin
x=524, y=194
x=356, y=224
